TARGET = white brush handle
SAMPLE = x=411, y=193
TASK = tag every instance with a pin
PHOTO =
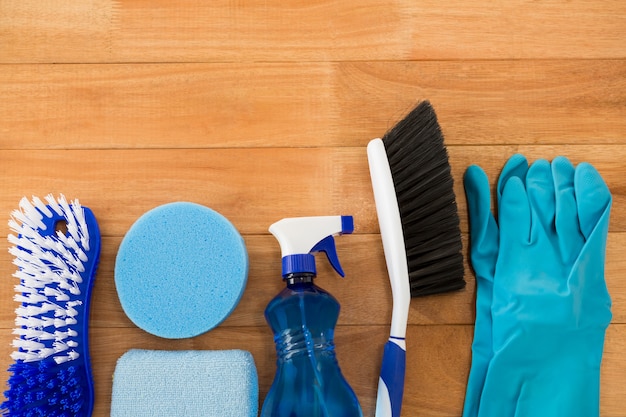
x=391, y=384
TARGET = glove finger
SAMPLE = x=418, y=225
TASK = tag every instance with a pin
x=516, y=166
x=593, y=197
x=541, y=195
x=484, y=253
x=483, y=228
x=514, y=217
x=566, y=221
x=515, y=223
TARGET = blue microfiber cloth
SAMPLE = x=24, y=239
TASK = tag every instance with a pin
x=193, y=383
x=180, y=270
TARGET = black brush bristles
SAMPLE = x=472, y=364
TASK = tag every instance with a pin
x=424, y=189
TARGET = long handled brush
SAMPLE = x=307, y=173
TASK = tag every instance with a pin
x=419, y=227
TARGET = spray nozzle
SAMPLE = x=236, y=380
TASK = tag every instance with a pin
x=300, y=237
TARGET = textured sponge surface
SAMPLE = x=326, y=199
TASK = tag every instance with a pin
x=221, y=383
x=180, y=270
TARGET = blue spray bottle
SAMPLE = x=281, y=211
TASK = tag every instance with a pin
x=308, y=381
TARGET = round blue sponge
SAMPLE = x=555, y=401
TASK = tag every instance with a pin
x=180, y=270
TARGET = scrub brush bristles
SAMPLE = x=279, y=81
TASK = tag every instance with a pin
x=51, y=375
x=424, y=189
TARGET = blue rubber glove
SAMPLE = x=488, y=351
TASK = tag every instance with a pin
x=549, y=302
x=484, y=254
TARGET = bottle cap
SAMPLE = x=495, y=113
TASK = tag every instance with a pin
x=300, y=237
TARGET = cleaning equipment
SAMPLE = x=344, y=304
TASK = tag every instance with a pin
x=178, y=261
x=549, y=307
x=308, y=380
x=419, y=227
x=484, y=253
x=56, y=249
x=193, y=383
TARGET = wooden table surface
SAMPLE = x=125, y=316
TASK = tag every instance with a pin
x=262, y=110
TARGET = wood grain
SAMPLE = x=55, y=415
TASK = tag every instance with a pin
x=302, y=30
x=262, y=110
x=254, y=187
x=328, y=104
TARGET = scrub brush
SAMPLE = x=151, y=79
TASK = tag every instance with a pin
x=56, y=247
x=419, y=227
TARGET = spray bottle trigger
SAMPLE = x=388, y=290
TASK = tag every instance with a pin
x=327, y=245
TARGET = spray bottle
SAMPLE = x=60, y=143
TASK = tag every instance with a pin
x=308, y=381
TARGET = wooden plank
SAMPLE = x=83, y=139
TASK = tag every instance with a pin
x=313, y=104
x=438, y=362
x=301, y=30
x=253, y=187
x=248, y=185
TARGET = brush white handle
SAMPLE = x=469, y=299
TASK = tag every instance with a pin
x=391, y=383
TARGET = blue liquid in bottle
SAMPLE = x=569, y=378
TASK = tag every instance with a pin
x=308, y=381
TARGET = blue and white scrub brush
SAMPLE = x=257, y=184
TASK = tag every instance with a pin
x=56, y=247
